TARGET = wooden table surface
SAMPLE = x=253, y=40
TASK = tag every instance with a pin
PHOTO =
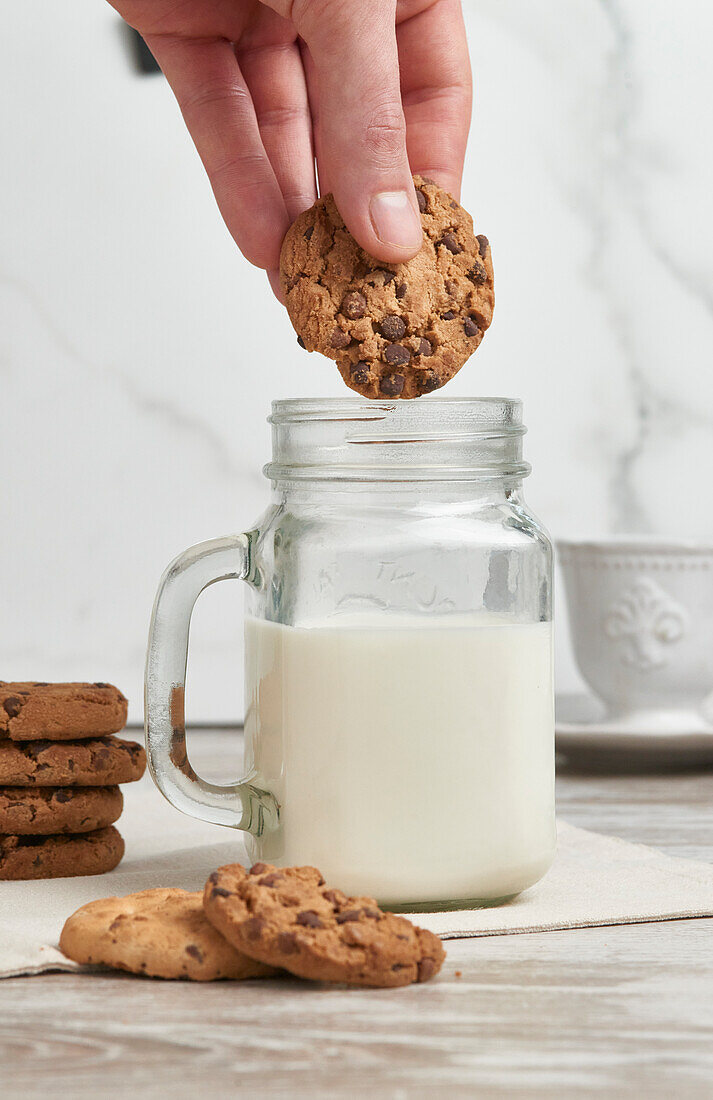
x=621, y=1011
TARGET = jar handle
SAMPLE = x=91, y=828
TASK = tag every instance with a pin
x=240, y=805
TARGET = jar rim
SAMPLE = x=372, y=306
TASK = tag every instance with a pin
x=434, y=439
x=488, y=413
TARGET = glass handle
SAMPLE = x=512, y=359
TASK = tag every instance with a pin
x=240, y=805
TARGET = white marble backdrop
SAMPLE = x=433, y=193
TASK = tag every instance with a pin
x=139, y=352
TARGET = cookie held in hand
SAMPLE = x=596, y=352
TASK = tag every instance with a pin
x=161, y=933
x=288, y=917
x=394, y=330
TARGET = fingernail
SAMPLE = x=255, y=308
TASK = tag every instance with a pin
x=395, y=220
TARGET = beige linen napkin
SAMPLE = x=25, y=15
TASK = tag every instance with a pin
x=594, y=880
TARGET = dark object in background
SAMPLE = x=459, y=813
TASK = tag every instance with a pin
x=142, y=60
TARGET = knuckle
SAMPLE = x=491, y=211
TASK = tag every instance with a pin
x=385, y=136
x=215, y=95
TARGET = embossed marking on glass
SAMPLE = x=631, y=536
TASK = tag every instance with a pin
x=398, y=656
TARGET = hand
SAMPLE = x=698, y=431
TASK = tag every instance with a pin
x=370, y=89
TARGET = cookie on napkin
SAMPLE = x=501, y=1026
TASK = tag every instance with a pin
x=288, y=917
x=161, y=933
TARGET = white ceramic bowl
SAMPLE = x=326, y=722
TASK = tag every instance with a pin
x=641, y=619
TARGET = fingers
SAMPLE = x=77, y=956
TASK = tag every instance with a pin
x=269, y=59
x=360, y=121
x=436, y=91
x=219, y=113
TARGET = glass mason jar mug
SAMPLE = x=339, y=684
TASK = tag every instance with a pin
x=399, y=729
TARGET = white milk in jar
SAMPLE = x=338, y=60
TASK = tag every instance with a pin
x=412, y=761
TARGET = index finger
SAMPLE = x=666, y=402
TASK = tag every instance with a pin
x=436, y=88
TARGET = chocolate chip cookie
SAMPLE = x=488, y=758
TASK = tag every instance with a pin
x=60, y=711
x=53, y=810
x=399, y=330
x=25, y=857
x=91, y=763
x=162, y=933
x=290, y=918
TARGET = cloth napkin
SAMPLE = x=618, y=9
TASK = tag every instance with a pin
x=595, y=880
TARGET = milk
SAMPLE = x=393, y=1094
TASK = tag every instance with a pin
x=412, y=761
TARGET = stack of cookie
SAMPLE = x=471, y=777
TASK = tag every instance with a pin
x=60, y=770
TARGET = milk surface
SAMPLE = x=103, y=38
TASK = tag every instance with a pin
x=412, y=761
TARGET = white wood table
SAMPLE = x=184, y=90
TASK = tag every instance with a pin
x=622, y=1011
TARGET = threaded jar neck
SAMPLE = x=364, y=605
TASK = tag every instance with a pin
x=434, y=439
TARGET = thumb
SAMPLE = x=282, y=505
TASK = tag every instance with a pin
x=362, y=130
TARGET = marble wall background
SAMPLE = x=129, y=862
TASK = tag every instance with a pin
x=139, y=352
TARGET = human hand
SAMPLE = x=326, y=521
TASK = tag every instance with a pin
x=370, y=89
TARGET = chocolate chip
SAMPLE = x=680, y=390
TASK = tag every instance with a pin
x=483, y=244
x=98, y=684
x=478, y=274
x=287, y=943
x=354, y=305
x=399, y=966
x=448, y=315
x=425, y=347
x=347, y=915
x=471, y=329
x=195, y=952
x=392, y=327
x=339, y=339
x=12, y=706
x=427, y=179
x=23, y=693
x=308, y=233
x=451, y=287
x=401, y=290
x=219, y=892
x=422, y=201
x=259, y=868
x=392, y=384
x=453, y=204
x=301, y=342
x=213, y=878
x=359, y=373
x=309, y=918
x=271, y=880
x=253, y=927
x=373, y=914
x=426, y=969
x=63, y=796
x=450, y=241
x=396, y=355
x=333, y=896
x=427, y=381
